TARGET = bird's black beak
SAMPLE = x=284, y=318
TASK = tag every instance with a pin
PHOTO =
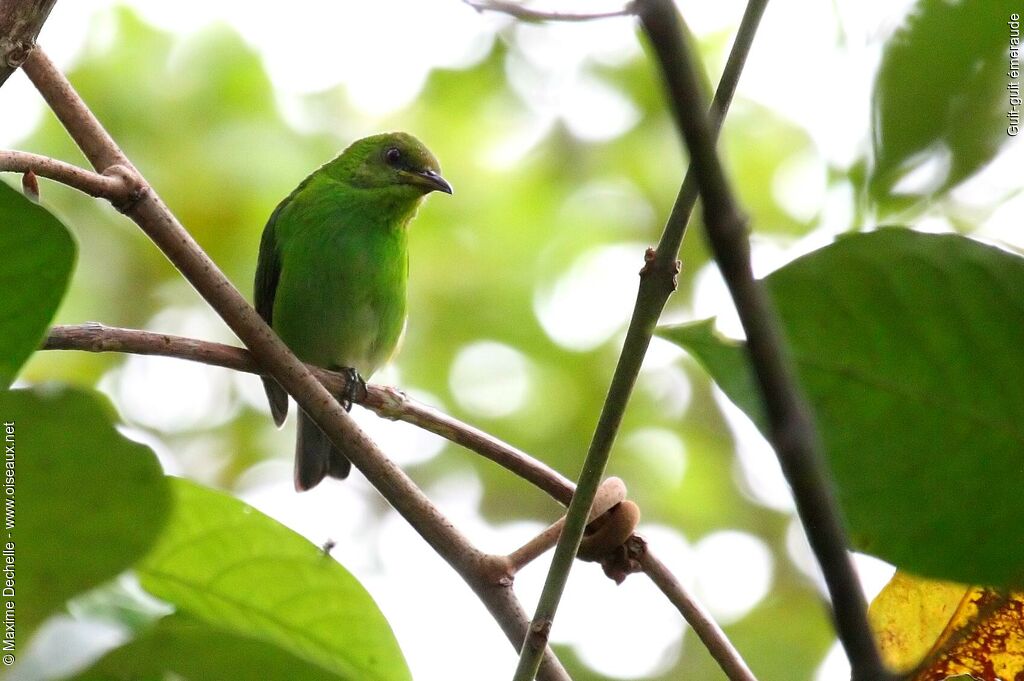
x=432, y=181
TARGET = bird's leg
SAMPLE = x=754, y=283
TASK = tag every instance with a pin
x=355, y=388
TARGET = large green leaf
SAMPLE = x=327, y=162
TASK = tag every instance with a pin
x=941, y=88
x=38, y=254
x=183, y=649
x=910, y=348
x=88, y=502
x=234, y=568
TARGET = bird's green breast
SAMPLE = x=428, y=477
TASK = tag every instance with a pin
x=341, y=296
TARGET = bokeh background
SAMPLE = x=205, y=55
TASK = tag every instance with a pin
x=565, y=165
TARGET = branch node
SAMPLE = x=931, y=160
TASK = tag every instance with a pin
x=542, y=629
x=133, y=189
x=15, y=52
x=391, y=402
x=652, y=268
x=498, y=571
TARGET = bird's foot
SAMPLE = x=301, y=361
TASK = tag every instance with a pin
x=355, y=388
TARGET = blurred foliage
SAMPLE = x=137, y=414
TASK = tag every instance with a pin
x=200, y=117
x=940, y=99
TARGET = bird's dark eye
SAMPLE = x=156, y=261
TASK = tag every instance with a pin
x=393, y=156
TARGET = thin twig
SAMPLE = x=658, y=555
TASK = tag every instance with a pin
x=657, y=283
x=792, y=430
x=157, y=221
x=110, y=187
x=708, y=630
x=528, y=15
x=611, y=492
x=20, y=23
x=394, y=404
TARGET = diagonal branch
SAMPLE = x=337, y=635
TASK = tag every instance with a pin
x=657, y=283
x=700, y=619
x=792, y=430
x=147, y=210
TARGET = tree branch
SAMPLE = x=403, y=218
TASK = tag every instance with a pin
x=528, y=15
x=152, y=215
x=393, y=404
x=792, y=430
x=20, y=23
x=385, y=401
x=657, y=283
x=110, y=187
x=707, y=629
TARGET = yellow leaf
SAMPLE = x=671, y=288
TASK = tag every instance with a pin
x=940, y=629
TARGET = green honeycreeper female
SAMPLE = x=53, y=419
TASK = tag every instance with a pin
x=332, y=272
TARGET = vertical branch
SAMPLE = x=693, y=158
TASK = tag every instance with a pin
x=792, y=430
x=20, y=23
x=657, y=283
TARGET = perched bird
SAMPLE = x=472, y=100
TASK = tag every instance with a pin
x=332, y=272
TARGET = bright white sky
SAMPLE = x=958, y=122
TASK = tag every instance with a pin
x=806, y=77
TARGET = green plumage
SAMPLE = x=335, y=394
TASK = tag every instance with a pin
x=332, y=272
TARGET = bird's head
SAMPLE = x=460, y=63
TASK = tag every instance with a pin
x=393, y=161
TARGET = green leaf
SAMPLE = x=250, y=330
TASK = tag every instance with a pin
x=942, y=89
x=232, y=567
x=180, y=648
x=909, y=348
x=39, y=254
x=88, y=501
x=727, y=356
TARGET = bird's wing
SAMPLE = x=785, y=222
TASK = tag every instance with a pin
x=268, y=273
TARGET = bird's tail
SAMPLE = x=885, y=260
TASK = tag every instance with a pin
x=316, y=457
